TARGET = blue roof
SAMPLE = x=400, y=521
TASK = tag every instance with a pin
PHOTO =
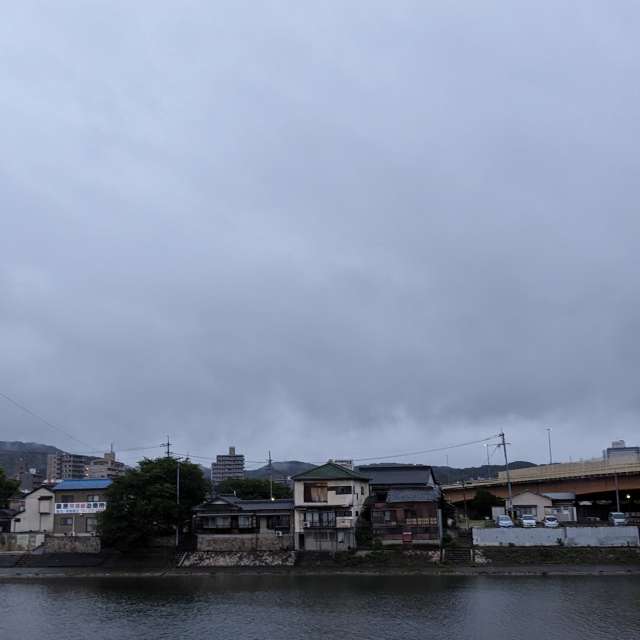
x=81, y=485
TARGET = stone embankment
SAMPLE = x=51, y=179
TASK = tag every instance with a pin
x=204, y=559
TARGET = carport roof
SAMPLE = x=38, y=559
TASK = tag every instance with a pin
x=560, y=495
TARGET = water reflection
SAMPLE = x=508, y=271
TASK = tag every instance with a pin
x=298, y=606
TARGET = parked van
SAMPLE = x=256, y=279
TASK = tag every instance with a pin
x=617, y=519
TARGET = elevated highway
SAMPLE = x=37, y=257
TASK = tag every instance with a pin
x=581, y=478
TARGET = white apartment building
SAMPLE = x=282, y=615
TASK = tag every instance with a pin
x=328, y=501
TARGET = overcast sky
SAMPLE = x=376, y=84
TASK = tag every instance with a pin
x=325, y=229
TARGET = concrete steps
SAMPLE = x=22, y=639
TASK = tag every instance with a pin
x=458, y=555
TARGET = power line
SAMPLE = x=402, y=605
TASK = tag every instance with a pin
x=434, y=450
x=44, y=420
x=385, y=457
x=214, y=457
x=119, y=450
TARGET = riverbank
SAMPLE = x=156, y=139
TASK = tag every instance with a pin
x=490, y=561
x=17, y=574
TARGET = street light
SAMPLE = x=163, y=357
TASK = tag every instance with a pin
x=549, y=439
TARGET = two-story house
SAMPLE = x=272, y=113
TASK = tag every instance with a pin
x=77, y=504
x=36, y=514
x=405, y=505
x=328, y=500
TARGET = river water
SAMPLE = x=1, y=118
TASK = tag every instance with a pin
x=292, y=607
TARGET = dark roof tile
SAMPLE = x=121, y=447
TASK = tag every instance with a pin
x=330, y=471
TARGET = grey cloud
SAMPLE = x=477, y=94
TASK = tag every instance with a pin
x=330, y=230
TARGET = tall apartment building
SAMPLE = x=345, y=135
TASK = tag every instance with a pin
x=227, y=466
x=106, y=467
x=620, y=453
x=67, y=466
x=28, y=477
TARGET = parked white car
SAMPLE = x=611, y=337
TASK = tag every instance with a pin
x=504, y=521
x=528, y=520
x=551, y=522
x=617, y=519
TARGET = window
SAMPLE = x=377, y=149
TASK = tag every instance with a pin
x=362, y=490
x=320, y=518
x=315, y=492
x=66, y=522
x=342, y=490
x=278, y=522
x=67, y=498
x=216, y=522
x=92, y=524
x=343, y=513
x=245, y=522
x=93, y=498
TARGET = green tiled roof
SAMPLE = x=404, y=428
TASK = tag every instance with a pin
x=329, y=471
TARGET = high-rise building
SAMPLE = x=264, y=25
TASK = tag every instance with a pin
x=619, y=453
x=227, y=466
x=67, y=466
x=106, y=467
x=28, y=477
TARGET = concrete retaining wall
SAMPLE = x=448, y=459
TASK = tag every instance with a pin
x=20, y=541
x=245, y=542
x=72, y=544
x=567, y=536
x=602, y=537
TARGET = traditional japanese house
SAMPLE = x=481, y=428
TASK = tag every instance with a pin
x=227, y=523
x=405, y=504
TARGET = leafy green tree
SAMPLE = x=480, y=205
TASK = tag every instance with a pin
x=142, y=503
x=7, y=489
x=481, y=504
x=252, y=489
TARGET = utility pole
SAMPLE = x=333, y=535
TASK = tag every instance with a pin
x=486, y=446
x=177, y=501
x=466, y=512
x=617, y=493
x=549, y=438
x=506, y=466
x=167, y=445
x=270, y=477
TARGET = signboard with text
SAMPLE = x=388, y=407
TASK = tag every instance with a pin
x=80, y=507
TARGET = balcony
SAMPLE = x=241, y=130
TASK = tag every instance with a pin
x=382, y=530
x=320, y=525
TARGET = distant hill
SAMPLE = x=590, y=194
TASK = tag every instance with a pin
x=33, y=453
x=447, y=475
x=444, y=475
x=281, y=470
